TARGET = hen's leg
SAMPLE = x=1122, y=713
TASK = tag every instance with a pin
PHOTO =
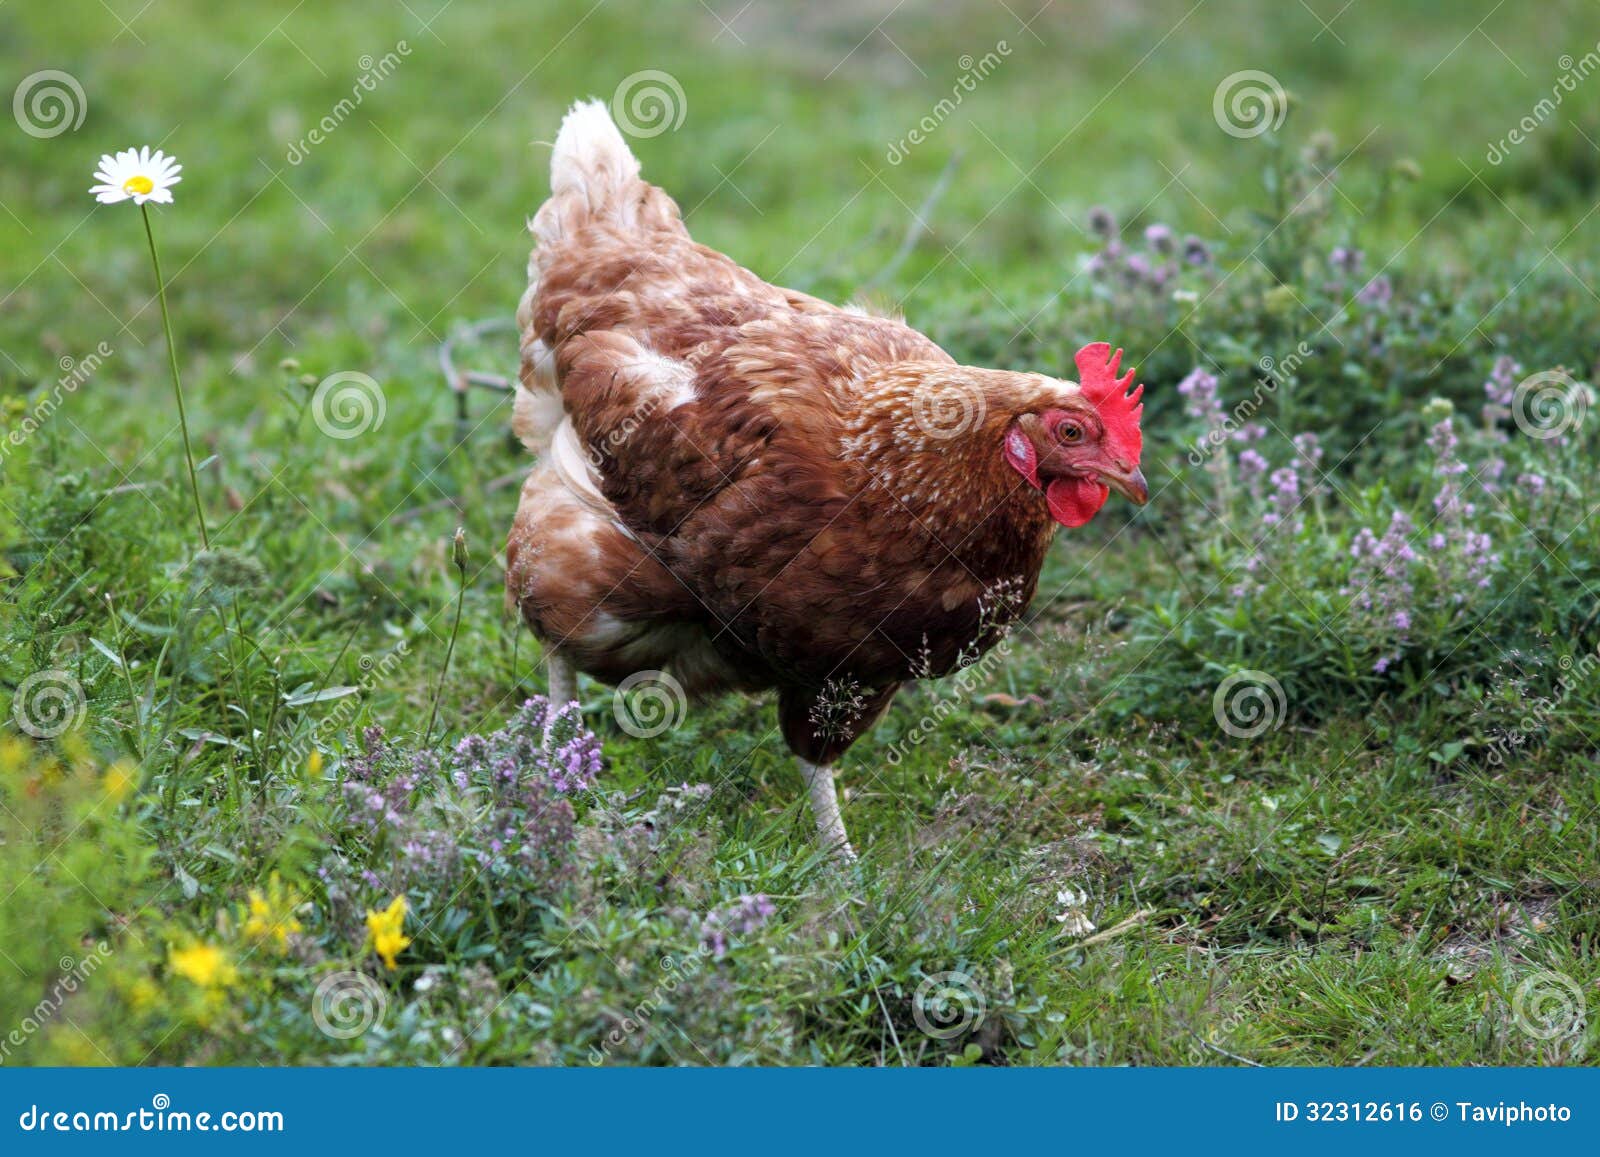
x=562, y=676
x=825, y=809
x=817, y=748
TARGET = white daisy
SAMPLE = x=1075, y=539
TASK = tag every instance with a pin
x=139, y=174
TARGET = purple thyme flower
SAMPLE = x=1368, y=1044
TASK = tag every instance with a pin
x=1502, y=384
x=739, y=918
x=1377, y=293
x=1346, y=260
x=1200, y=388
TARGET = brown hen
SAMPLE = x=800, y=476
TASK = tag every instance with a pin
x=747, y=488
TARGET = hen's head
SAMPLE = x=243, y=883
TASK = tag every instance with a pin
x=1085, y=445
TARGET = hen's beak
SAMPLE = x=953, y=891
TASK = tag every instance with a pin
x=1129, y=483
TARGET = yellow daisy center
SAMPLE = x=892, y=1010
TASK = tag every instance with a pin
x=138, y=185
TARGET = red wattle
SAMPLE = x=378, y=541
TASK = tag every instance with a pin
x=1074, y=501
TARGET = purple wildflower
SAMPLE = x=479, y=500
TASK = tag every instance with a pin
x=1200, y=388
x=1137, y=269
x=1346, y=260
x=1285, y=500
x=1501, y=387
x=1381, y=587
x=1464, y=555
x=740, y=918
x=1159, y=238
x=1377, y=293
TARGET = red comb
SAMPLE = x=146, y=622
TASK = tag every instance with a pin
x=1118, y=406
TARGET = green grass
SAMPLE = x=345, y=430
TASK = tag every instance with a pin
x=1365, y=882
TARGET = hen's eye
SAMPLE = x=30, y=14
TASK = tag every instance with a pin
x=1070, y=433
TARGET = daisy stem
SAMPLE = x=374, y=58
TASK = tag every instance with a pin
x=177, y=386
x=461, y=595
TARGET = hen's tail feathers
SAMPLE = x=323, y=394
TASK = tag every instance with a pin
x=590, y=156
x=594, y=177
x=594, y=180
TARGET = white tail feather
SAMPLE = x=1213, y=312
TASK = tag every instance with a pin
x=591, y=155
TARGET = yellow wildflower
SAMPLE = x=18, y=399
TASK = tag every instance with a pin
x=143, y=994
x=269, y=915
x=383, y=931
x=76, y=749
x=15, y=754
x=203, y=964
x=314, y=763
x=120, y=778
